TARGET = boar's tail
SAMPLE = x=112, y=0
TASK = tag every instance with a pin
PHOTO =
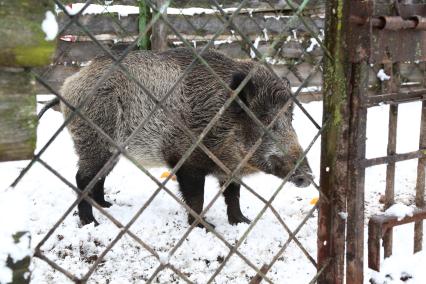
x=48, y=105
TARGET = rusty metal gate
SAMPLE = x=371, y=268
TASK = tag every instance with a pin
x=368, y=37
x=360, y=37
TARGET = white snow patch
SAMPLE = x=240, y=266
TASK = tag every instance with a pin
x=255, y=44
x=399, y=210
x=164, y=257
x=382, y=75
x=294, y=34
x=227, y=40
x=307, y=89
x=125, y=10
x=314, y=43
x=14, y=218
x=50, y=26
x=402, y=267
x=265, y=34
x=276, y=17
x=343, y=215
x=164, y=222
x=121, y=10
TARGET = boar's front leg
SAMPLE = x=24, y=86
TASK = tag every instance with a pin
x=232, y=200
x=191, y=184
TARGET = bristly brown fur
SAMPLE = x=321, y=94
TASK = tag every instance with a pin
x=119, y=105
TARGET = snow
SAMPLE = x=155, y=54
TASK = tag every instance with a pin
x=255, y=45
x=13, y=203
x=125, y=10
x=403, y=266
x=307, y=89
x=312, y=45
x=343, y=215
x=122, y=10
x=163, y=223
x=382, y=75
x=50, y=26
x=400, y=211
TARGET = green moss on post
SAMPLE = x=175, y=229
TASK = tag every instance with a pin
x=23, y=41
x=18, y=121
x=144, y=18
x=23, y=45
x=334, y=152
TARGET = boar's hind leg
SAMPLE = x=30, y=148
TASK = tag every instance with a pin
x=88, y=168
x=232, y=200
x=191, y=185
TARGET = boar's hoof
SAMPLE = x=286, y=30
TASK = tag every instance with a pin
x=87, y=219
x=199, y=225
x=234, y=220
x=104, y=204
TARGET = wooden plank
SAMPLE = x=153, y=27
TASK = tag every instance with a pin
x=56, y=75
x=78, y=52
x=200, y=25
x=420, y=183
x=159, y=31
x=377, y=228
x=110, y=23
x=18, y=120
x=83, y=51
x=254, y=24
x=356, y=190
x=266, y=4
x=391, y=86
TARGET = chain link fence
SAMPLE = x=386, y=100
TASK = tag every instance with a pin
x=236, y=26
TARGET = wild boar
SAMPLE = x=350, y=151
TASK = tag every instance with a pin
x=119, y=105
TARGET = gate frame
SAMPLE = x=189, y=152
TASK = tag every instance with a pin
x=355, y=34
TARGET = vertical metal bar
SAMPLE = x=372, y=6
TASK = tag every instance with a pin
x=144, y=18
x=391, y=86
x=334, y=144
x=159, y=29
x=420, y=184
x=355, y=194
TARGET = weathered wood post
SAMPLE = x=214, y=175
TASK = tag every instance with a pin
x=27, y=31
x=334, y=145
x=159, y=30
x=343, y=143
x=23, y=44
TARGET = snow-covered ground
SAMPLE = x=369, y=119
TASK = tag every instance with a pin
x=163, y=223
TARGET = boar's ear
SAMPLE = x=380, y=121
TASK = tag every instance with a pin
x=246, y=94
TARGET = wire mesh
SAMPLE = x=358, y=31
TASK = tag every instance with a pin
x=226, y=19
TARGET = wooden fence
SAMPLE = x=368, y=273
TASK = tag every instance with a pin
x=296, y=52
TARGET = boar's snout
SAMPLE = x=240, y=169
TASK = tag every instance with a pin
x=303, y=176
x=281, y=166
